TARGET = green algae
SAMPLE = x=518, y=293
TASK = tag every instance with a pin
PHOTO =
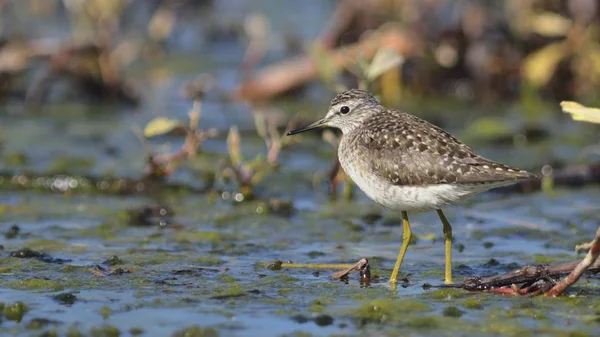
x=277, y=280
x=549, y=259
x=233, y=290
x=105, y=312
x=209, y=261
x=447, y=294
x=320, y=304
x=452, y=311
x=472, y=303
x=277, y=301
x=387, y=310
x=424, y=322
x=66, y=164
x=136, y=331
x=285, y=291
x=313, y=254
x=66, y=298
x=113, y=261
x=39, y=323
x=49, y=333
x=48, y=245
x=204, y=237
x=196, y=331
x=35, y=284
x=225, y=278
x=105, y=331
x=14, y=159
x=15, y=311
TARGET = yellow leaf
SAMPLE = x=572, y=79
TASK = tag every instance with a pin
x=580, y=112
x=539, y=66
x=160, y=126
x=260, y=122
x=550, y=24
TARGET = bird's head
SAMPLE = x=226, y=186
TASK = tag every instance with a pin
x=347, y=111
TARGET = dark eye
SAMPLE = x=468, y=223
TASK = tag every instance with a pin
x=344, y=110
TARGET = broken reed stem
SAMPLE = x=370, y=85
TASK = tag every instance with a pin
x=581, y=268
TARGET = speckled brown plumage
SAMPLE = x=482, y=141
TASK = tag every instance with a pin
x=406, y=150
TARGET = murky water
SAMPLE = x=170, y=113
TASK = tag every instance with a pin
x=202, y=262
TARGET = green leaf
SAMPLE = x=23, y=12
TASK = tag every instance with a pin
x=580, y=112
x=160, y=126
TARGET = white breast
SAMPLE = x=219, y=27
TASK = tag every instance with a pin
x=414, y=199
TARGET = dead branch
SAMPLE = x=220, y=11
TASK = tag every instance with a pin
x=522, y=275
x=290, y=74
x=537, y=280
x=91, y=67
x=350, y=19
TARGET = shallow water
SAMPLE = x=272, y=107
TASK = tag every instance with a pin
x=203, y=263
x=168, y=289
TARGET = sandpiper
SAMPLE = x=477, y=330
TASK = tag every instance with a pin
x=405, y=163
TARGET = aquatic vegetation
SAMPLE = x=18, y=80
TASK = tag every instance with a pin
x=15, y=311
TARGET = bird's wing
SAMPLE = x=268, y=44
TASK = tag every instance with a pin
x=411, y=151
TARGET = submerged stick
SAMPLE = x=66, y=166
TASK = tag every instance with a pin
x=361, y=266
x=279, y=264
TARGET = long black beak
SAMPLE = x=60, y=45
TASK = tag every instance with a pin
x=314, y=125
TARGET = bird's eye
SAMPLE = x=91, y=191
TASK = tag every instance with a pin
x=344, y=110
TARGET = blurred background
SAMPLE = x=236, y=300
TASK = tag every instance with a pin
x=494, y=70
x=153, y=131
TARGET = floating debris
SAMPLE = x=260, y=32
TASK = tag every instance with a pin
x=66, y=298
x=27, y=253
x=98, y=270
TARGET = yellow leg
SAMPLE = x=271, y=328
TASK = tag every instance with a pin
x=448, y=241
x=406, y=236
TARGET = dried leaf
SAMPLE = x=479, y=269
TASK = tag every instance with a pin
x=256, y=26
x=160, y=126
x=161, y=24
x=539, y=67
x=580, y=112
x=233, y=146
x=260, y=122
x=195, y=114
x=385, y=59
